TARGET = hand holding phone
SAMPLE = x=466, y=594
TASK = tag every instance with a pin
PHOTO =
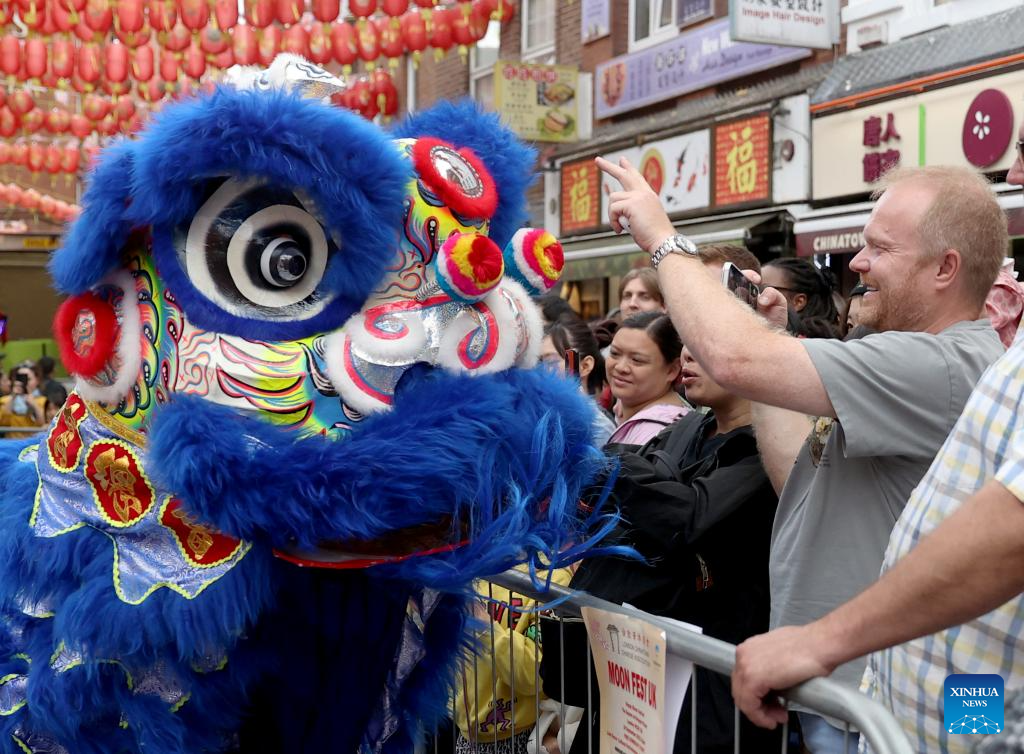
x=572, y=362
x=740, y=285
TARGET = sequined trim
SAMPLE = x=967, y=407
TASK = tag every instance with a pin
x=119, y=429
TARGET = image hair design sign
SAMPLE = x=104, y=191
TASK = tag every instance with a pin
x=538, y=102
x=797, y=23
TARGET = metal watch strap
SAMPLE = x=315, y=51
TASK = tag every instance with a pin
x=677, y=244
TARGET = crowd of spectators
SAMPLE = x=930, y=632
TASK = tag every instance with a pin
x=29, y=397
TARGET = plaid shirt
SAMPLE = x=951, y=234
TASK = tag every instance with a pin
x=986, y=443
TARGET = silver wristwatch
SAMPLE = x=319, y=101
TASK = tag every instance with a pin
x=673, y=245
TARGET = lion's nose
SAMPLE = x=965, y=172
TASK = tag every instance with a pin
x=469, y=266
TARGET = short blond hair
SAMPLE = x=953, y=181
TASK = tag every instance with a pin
x=964, y=215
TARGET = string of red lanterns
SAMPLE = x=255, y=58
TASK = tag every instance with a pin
x=13, y=195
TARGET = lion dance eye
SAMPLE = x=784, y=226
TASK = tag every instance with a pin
x=257, y=251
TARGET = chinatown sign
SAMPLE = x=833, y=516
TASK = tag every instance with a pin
x=693, y=60
x=971, y=125
x=798, y=23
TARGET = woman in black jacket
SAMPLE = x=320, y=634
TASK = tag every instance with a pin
x=698, y=506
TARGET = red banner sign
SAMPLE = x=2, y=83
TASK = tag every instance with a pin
x=581, y=196
x=743, y=161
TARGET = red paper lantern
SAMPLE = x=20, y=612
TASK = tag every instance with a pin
x=461, y=32
x=70, y=158
x=269, y=41
x=63, y=58
x=95, y=107
x=35, y=161
x=53, y=159
x=142, y=64
x=20, y=102
x=163, y=14
x=244, y=45
x=414, y=32
x=259, y=13
x=394, y=8
x=58, y=120
x=98, y=15
x=213, y=41
x=10, y=54
x=441, y=34
x=178, y=38
x=426, y=3
x=343, y=44
x=384, y=91
x=320, y=44
x=194, y=14
x=36, y=54
x=131, y=16
x=224, y=60
x=289, y=11
x=19, y=153
x=168, y=67
x=390, y=35
x=5, y=152
x=226, y=14
x=63, y=18
x=124, y=107
x=85, y=32
x=296, y=40
x=47, y=204
x=134, y=39
x=362, y=8
x=194, y=62
x=89, y=63
x=108, y=126
x=32, y=13
x=117, y=62
x=480, y=18
x=6, y=13
x=80, y=126
x=326, y=11
x=3, y=97
x=505, y=11
x=33, y=120
x=368, y=42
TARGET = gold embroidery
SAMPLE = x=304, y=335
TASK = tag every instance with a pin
x=115, y=476
x=199, y=538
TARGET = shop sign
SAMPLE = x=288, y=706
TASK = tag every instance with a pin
x=693, y=60
x=580, y=196
x=677, y=168
x=839, y=241
x=971, y=125
x=800, y=23
x=538, y=102
x=594, y=20
x=691, y=11
x=743, y=161
x=791, y=150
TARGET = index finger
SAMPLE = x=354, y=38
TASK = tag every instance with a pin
x=624, y=173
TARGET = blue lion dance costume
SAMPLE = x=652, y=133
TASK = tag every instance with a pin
x=298, y=341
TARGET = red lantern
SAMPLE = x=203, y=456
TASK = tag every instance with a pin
x=505, y=11
x=8, y=122
x=32, y=13
x=10, y=54
x=382, y=86
x=289, y=11
x=296, y=40
x=259, y=13
x=394, y=8
x=194, y=14
x=390, y=36
x=47, y=204
x=269, y=44
x=343, y=44
x=89, y=63
x=63, y=57
x=53, y=159
x=214, y=41
x=131, y=16
x=63, y=18
x=441, y=35
x=244, y=45
x=108, y=126
x=92, y=153
x=124, y=107
x=426, y=3
x=98, y=15
x=30, y=197
x=178, y=38
x=20, y=102
x=194, y=62
x=320, y=44
x=460, y=26
x=163, y=14
x=36, y=54
x=6, y=13
x=142, y=64
x=168, y=67
x=35, y=161
x=225, y=60
x=326, y=11
x=19, y=153
x=3, y=97
x=85, y=32
x=152, y=90
x=80, y=125
x=70, y=158
x=480, y=19
x=368, y=42
x=95, y=107
x=33, y=120
x=226, y=14
x=414, y=33
x=134, y=39
x=117, y=62
x=5, y=152
x=362, y=8
x=58, y=120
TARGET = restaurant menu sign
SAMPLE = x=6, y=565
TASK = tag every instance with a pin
x=693, y=60
x=538, y=102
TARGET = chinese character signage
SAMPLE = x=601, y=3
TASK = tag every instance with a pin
x=799, y=23
x=594, y=20
x=693, y=60
x=537, y=101
x=677, y=168
x=581, y=196
x=743, y=161
x=969, y=124
x=691, y=11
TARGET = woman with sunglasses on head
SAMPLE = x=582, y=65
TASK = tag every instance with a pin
x=807, y=288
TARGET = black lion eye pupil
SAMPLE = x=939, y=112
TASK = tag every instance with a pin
x=283, y=263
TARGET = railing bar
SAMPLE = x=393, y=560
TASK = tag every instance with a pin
x=590, y=705
x=693, y=711
x=512, y=660
x=736, y=729
x=494, y=661
x=561, y=686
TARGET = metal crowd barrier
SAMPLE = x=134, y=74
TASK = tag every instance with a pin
x=27, y=430
x=879, y=727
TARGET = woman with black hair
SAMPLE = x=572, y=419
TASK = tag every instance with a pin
x=807, y=288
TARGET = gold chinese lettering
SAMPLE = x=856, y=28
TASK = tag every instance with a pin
x=199, y=538
x=742, y=172
x=115, y=476
x=579, y=196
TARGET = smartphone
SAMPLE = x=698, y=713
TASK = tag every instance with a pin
x=572, y=362
x=22, y=378
x=740, y=285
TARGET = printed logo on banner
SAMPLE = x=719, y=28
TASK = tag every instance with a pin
x=973, y=704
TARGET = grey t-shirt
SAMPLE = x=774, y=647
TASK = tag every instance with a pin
x=896, y=396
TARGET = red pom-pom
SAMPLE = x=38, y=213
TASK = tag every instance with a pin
x=86, y=330
x=457, y=176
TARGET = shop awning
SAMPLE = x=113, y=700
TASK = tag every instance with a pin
x=607, y=254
